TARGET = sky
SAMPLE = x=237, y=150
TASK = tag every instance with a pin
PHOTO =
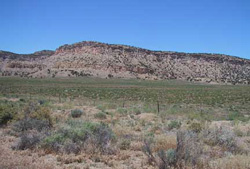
x=196, y=26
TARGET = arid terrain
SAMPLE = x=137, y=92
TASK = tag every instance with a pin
x=119, y=61
x=122, y=124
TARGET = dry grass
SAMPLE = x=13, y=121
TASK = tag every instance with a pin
x=134, y=128
x=233, y=162
x=11, y=159
x=164, y=142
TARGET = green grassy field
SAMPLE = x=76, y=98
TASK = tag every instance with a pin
x=171, y=96
x=136, y=90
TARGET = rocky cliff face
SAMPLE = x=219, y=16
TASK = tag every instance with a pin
x=120, y=61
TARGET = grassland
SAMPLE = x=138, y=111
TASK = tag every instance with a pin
x=147, y=124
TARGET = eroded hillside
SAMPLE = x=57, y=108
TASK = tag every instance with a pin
x=120, y=61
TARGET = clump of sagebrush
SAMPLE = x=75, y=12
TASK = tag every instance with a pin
x=188, y=147
x=28, y=140
x=77, y=135
x=232, y=116
x=201, y=116
x=136, y=111
x=101, y=107
x=122, y=111
x=174, y=124
x=7, y=113
x=42, y=102
x=223, y=137
x=188, y=151
x=76, y=113
x=101, y=115
x=32, y=127
x=124, y=144
x=31, y=124
x=196, y=127
x=22, y=100
x=34, y=117
x=147, y=148
x=167, y=159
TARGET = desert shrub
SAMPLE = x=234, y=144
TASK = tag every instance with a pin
x=147, y=148
x=22, y=100
x=34, y=117
x=82, y=134
x=124, y=144
x=195, y=127
x=71, y=147
x=32, y=127
x=122, y=111
x=28, y=140
x=101, y=107
x=232, y=116
x=136, y=111
x=171, y=156
x=43, y=114
x=174, y=124
x=30, y=108
x=201, y=115
x=101, y=115
x=238, y=132
x=76, y=113
x=221, y=136
x=31, y=124
x=34, y=112
x=167, y=159
x=7, y=113
x=188, y=151
x=41, y=102
x=163, y=163
x=188, y=147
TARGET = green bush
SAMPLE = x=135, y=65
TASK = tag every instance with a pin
x=125, y=144
x=76, y=113
x=101, y=115
x=201, y=116
x=34, y=117
x=77, y=134
x=232, y=116
x=22, y=100
x=171, y=156
x=101, y=107
x=167, y=158
x=122, y=111
x=7, y=113
x=195, y=127
x=32, y=126
x=174, y=124
x=41, y=102
x=43, y=114
x=136, y=111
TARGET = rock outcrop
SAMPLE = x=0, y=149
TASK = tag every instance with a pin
x=120, y=61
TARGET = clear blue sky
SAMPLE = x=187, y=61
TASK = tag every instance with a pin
x=214, y=26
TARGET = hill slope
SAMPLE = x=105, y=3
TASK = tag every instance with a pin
x=119, y=61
